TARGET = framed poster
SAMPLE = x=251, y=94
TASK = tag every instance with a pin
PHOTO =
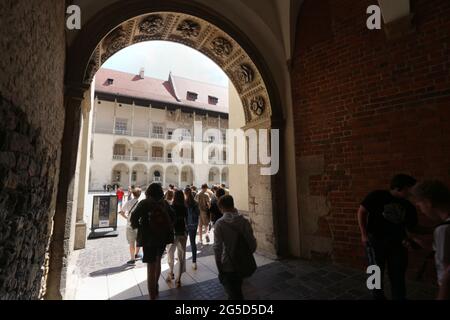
x=104, y=212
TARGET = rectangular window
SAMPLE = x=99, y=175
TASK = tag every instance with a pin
x=117, y=176
x=213, y=100
x=134, y=176
x=157, y=152
x=119, y=150
x=192, y=96
x=184, y=176
x=121, y=126
x=158, y=129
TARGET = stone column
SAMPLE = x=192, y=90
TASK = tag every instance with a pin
x=60, y=242
x=83, y=184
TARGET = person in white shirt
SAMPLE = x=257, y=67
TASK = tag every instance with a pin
x=433, y=199
x=126, y=212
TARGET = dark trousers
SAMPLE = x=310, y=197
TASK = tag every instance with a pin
x=192, y=234
x=232, y=283
x=394, y=256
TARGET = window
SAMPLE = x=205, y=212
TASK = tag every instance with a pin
x=158, y=130
x=134, y=176
x=192, y=96
x=157, y=174
x=157, y=152
x=224, y=137
x=212, y=176
x=213, y=100
x=211, y=139
x=110, y=81
x=184, y=177
x=170, y=133
x=225, y=156
x=212, y=155
x=121, y=126
x=119, y=150
x=117, y=176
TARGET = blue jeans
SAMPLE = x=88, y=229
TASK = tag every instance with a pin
x=192, y=231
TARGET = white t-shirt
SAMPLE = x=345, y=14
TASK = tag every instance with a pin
x=441, y=246
x=130, y=205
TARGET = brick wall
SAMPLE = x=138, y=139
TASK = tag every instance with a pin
x=365, y=108
x=32, y=120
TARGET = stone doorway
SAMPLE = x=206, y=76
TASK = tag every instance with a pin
x=233, y=53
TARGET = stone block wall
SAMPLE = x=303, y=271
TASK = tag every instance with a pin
x=365, y=108
x=32, y=38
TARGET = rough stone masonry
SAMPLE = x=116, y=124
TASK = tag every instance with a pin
x=32, y=122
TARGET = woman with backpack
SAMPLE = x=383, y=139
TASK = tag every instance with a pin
x=192, y=223
x=153, y=219
x=180, y=213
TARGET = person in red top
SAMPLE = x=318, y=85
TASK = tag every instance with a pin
x=120, y=194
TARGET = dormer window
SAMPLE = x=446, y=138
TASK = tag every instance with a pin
x=213, y=100
x=192, y=96
x=110, y=81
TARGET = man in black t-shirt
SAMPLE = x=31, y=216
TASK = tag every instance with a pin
x=384, y=218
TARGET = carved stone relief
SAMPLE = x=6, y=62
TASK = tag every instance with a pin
x=189, y=29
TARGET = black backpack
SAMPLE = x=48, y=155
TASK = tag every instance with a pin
x=243, y=260
x=159, y=225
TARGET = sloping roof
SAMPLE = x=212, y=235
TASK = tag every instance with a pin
x=173, y=91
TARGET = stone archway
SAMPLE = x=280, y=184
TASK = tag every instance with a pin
x=129, y=22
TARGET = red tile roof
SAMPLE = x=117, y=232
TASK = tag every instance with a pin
x=173, y=91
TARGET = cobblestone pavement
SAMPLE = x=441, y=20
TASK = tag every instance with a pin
x=103, y=274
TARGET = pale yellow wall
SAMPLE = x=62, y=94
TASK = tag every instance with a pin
x=238, y=173
x=101, y=163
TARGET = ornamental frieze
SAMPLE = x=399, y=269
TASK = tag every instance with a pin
x=114, y=42
x=151, y=25
x=257, y=106
x=221, y=47
x=245, y=74
x=189, y=29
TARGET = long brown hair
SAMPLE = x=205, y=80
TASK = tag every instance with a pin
x=178, y=199
x=190, y=201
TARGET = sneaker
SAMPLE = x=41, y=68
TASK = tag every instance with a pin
x=131, y=262
x=194, y=266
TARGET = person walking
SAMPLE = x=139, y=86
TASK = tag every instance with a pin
x=120, y=194
x=126, y=212
x=204, y=203
x=234, y=245
x=180, y=229
x=216, y=214
x=192, y=223
x=153, y=219
x=169, y=196
x=433, y=199
x=384, y=217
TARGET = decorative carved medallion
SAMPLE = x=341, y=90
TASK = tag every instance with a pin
x=115, y=41
x=151, y=25
x=221, y=47
x=257, y=105
x=245, y=74
x=189, y=29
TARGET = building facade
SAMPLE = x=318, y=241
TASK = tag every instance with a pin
x=145, y=130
